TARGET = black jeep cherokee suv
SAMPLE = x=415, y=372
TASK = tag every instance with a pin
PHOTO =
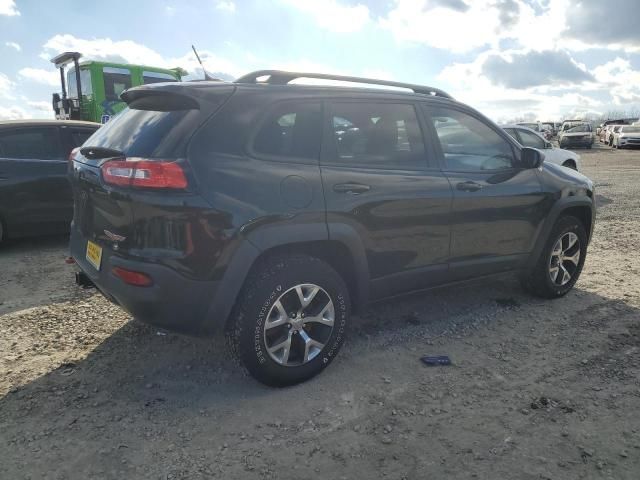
x=272, y=211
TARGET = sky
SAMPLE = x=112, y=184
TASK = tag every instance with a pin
x=510, y=59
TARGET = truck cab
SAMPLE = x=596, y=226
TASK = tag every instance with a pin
x=91, y=90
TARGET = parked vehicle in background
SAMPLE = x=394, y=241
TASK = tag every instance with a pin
x=611, y=132
x=528, y=138
x=576, y=134
x=35, y=195
x=91, y=90
x=627, y=136
x=535, y=126
x=549, y=126
x=602, y=133
x=271, y=211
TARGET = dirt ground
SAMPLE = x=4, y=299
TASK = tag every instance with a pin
x=538, y=389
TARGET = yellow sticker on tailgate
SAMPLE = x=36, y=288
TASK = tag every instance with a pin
x=94, y=254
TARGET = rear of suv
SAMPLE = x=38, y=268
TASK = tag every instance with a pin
x=270, y=212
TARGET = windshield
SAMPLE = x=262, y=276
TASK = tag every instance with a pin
x=631, y=129
x=533, y=126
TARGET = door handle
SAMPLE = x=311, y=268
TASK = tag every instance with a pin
x=469, y=186
x=351, y=188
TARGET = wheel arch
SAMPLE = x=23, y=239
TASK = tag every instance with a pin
x=344, y=253
x=579, y=207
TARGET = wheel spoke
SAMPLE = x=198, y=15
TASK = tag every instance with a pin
x=557, y=248
x=575, y=258
x=305, y=300
x=281, y=319
x=285, y=346
x=325, y=317
x=554, y=273
x=311, y=346
x=566, y=276
x=572, y=238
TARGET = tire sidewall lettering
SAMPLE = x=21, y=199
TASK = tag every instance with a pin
x=258, y=332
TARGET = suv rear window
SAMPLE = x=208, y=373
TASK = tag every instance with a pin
x=148, y=133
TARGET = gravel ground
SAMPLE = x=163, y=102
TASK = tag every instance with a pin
x=537, y=389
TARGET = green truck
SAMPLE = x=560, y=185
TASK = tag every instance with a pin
x=91, y=90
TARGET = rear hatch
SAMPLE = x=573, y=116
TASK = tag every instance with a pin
x=139, y=156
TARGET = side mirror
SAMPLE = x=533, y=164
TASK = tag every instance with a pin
x=531, y=158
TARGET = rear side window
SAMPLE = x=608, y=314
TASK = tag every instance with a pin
x=291, y=130
x=378, y=135
x=31, y=143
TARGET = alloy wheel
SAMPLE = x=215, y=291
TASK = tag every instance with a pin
x=299, y=324
x=565, y=257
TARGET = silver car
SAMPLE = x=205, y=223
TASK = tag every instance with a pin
x=529, y=138
x=626, y=136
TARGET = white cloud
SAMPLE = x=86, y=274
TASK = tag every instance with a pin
x=13, y=113
x=6, y=87
x=41, y=106
x=333, y=15
x=226, y=6
x=621, y=79
x=14, y=45
x=8, y=7
x=40, y=75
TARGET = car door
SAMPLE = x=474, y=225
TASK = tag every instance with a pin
x=34, y=189
x=382, y=187
x=498, y=205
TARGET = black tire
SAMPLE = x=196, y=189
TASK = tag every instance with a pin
x=263, y=288
x=570, y=164
x=538, y=281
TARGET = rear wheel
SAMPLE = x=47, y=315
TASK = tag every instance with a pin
x=570, y=164
x=290, y=320
x=561, y=261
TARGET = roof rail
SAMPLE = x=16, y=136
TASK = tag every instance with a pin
x=280, y=77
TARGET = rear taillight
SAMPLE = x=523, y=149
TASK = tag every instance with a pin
x=131, y=277
x=136, y=172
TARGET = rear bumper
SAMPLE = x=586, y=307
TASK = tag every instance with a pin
x=576, y=142
x=174, y=301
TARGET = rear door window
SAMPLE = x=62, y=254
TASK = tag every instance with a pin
x=376, y=135
x=290, y=130
x=38, y=143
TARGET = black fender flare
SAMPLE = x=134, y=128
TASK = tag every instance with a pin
x=560, y=206
x=265, y=238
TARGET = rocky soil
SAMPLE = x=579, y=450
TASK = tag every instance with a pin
x=537, y=389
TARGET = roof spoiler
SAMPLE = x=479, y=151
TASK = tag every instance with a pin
x=280, y=77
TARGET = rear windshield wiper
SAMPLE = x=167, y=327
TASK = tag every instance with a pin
x=101, y=152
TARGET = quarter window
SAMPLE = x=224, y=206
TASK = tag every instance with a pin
x=32, y=143
x=469, y=144
x=291, y=130
x=382, y=135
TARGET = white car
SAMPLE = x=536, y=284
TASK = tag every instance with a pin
x=528, y=138
x=627, y=136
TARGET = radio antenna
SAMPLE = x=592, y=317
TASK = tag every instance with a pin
x=206, y=74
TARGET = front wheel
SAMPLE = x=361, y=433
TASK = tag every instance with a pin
x=290, y=320
x=561, y=260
